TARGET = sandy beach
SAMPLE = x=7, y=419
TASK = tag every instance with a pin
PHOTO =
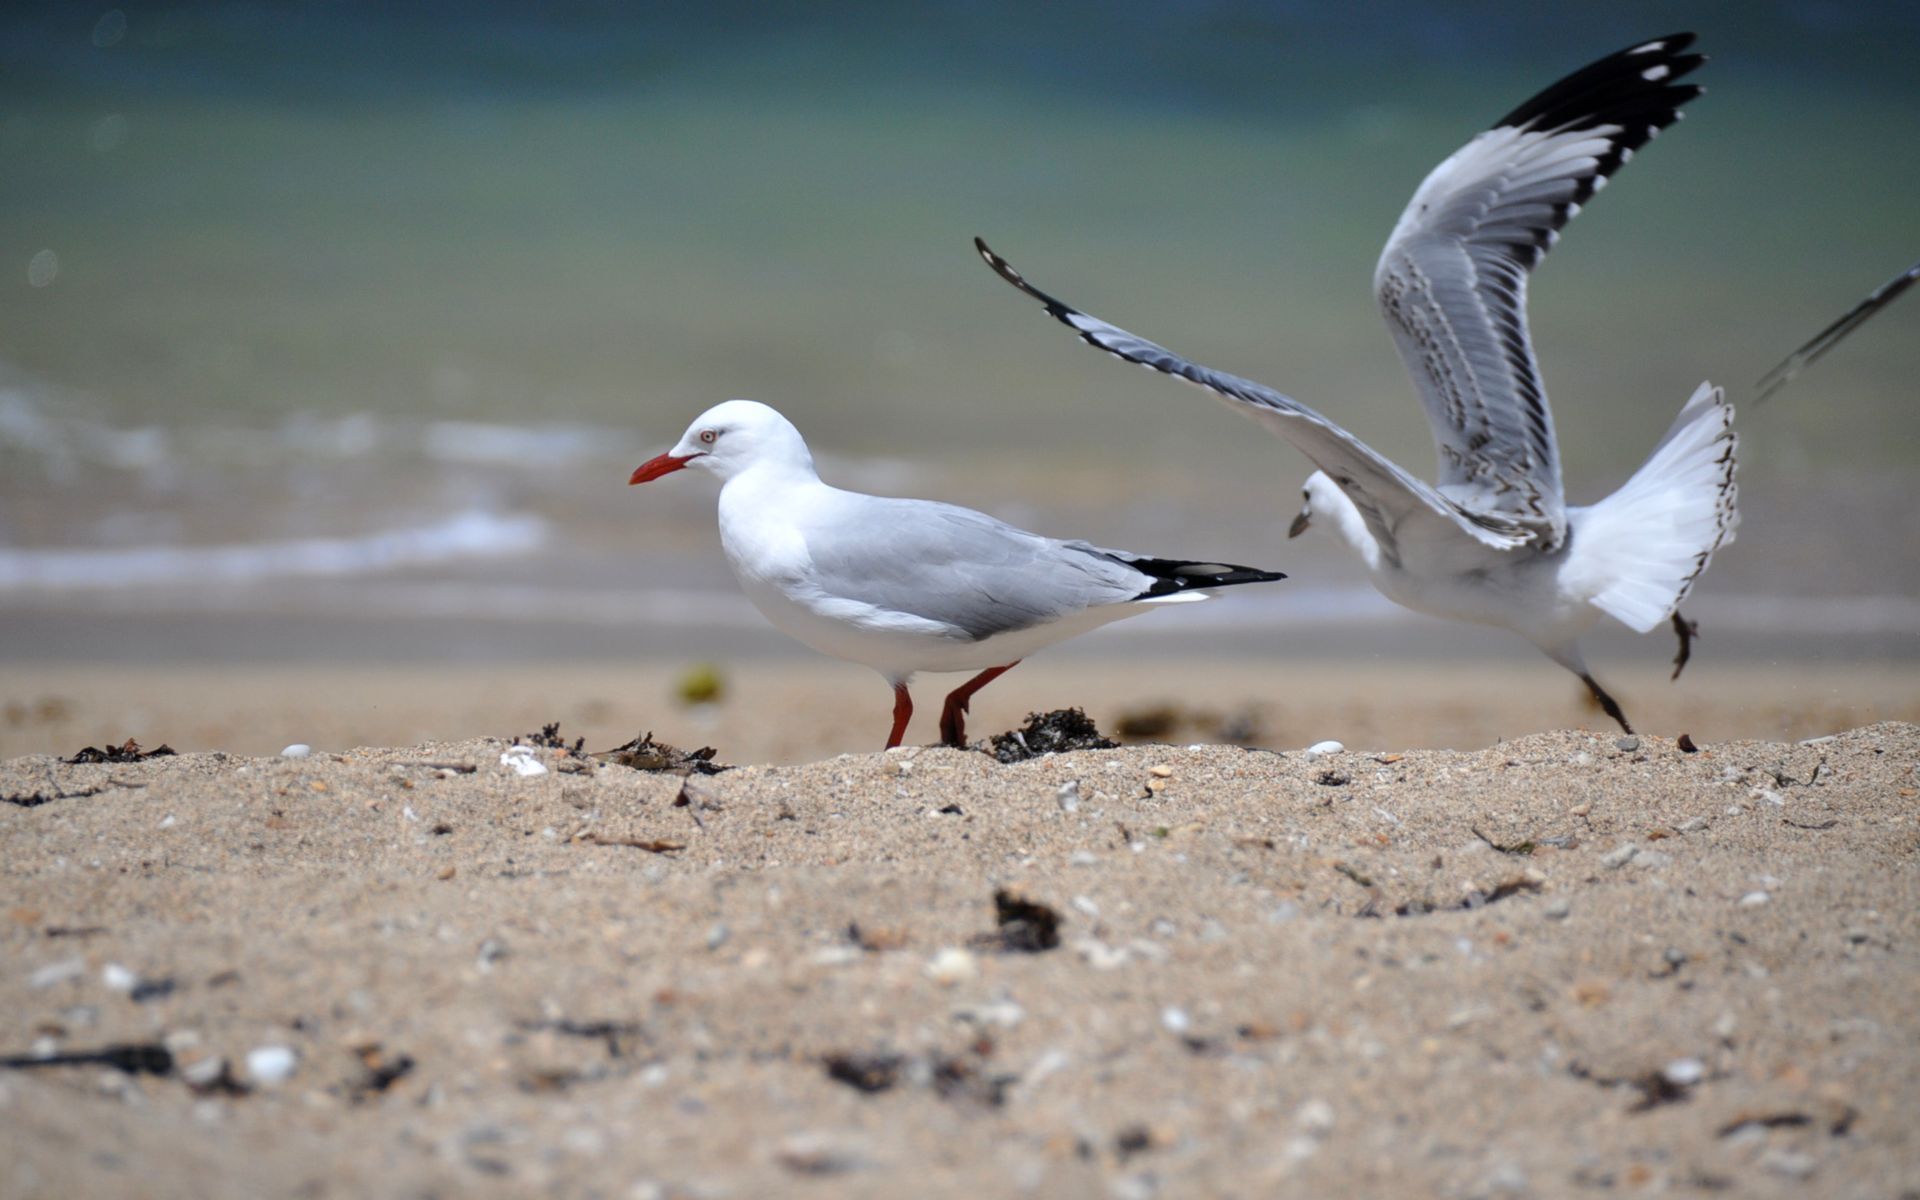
x=1565, y=963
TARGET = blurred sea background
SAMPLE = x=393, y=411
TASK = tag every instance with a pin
x=329, y=332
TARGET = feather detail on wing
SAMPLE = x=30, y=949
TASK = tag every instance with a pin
x=1387, y=496
x=1452, y=281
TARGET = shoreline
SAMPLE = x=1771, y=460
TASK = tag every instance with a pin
x=805, y=709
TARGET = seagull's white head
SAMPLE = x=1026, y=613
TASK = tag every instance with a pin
x=1329, y=505
x=1322, y=495
x=729, y=438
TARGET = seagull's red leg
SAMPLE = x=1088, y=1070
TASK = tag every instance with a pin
x=953, y=717
x=902, y=713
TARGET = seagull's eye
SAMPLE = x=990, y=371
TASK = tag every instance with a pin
x=708, y=435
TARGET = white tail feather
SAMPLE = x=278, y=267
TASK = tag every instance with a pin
x=1644, y=545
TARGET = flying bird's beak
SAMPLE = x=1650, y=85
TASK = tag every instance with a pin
x=1300, y=523
x=654, y=468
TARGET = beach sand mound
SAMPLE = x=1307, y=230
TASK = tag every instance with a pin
x=1569, y=962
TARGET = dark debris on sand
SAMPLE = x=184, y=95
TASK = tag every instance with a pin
x=1061, y=730
x=128, y=751
x=1023, y=925
x=951, y=1076
x=645, y=754
x=549, y=739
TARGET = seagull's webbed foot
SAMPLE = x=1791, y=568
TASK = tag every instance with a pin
x=1688, y=630
x=1606, y=702
x=953, y=715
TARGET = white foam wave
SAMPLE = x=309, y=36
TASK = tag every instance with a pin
x=465, y=535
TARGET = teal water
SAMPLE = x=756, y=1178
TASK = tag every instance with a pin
x=272, y=272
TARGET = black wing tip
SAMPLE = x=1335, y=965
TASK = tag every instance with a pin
x=1172, y=575
x=1787, y=370
x=1004, y=270
x=1636, y=88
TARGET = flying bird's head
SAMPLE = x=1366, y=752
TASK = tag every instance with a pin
x=729, y=438
x=1319, y=494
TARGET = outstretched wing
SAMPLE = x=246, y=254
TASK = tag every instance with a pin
x=1452, y=281
x=1832, y=335
x=1387, y=496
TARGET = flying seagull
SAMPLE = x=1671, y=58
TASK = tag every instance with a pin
x=1493, y=541
x=909, y=585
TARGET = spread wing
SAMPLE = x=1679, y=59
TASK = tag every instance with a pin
x=1835, y=333
x=1390, y=499
x=1452, y=281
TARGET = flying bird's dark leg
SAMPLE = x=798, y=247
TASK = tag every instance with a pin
x=953, y=718
x=1606, y=702
x=902, y=713
x=1688, y=630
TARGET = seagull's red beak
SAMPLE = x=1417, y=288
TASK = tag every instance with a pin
x=654, y=468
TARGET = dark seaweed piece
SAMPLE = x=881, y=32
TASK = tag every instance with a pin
x=611, y=1032
x=645, y=754
x=1055, y=732
x=128, y=751
x=865, y=1072
x=549, y=739
x=36, y=799
x=135, y=1058
x=1026, y=926
x=962, y=1079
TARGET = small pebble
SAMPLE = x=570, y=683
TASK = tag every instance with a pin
x=270, y=1065
x=521, y=759
x=116, y=978
x=1175, y=1020
x=1789, y=1163
x=1558, y=908
x=1315, y=1117
x=201, y=1074
x=1628, y=743
x=1684, y=1072
x=59, y=972
x=1003, y=1013
x=1508, y=1179
x=1619, y=856
x=1160, y=771
x=1067, y=796
x=297, y=750
x=1326, y=747
x=717, y=935
x=1754, y=899
x=1651, y=860
x=951, y=966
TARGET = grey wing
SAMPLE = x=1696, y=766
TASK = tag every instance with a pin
x=1387, y=496
x=1833, y=334
x=1452, y=280
x=961, y=568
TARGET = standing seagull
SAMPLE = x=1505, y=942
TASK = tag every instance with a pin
x=908, y=585
x=1494, y=542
